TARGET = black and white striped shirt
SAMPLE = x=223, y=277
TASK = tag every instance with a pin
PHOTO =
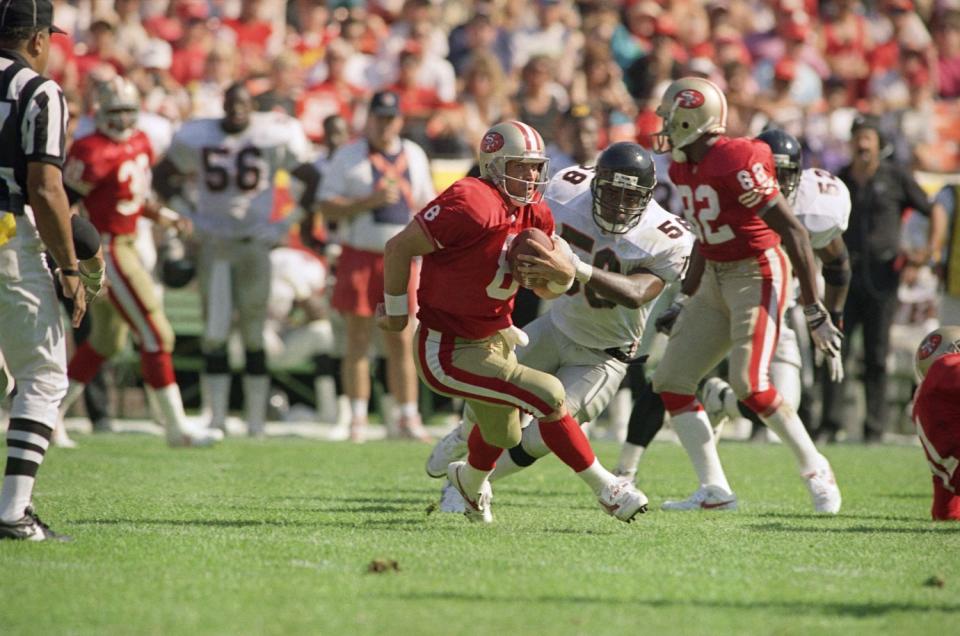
x=33, y=122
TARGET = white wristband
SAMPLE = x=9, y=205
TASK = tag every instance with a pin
x=584, y=272
x=559, y=288
x=398, y=305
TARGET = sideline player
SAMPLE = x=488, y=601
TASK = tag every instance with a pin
x=465, y=339
x=109, y=173
x=32, y=338
x=630, y=248
x=730, y=196
x=236, y=159
x=936, y=414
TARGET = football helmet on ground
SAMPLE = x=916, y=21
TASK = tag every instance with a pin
x=511, y=141
x=622, y=187
x=118, y=103
x=938, y=342
x=690, y=108
x=787, y=157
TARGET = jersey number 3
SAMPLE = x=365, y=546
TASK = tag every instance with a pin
x=702, y=207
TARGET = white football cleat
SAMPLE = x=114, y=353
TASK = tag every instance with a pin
x=706, y=498
x=449, y=449
x=477, y=508
x=195, y=437
x=622, y=500
x=823, y=490
x=450, y=499
x=626, y=474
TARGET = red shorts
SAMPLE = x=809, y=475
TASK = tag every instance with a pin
x=359, y=285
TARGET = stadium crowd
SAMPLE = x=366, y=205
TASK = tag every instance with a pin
x=584, y=74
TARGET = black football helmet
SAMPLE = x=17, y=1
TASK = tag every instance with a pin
x=787, y=157
x=622, y=186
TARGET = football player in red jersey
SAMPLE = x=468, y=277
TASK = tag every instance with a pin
x=731, y=198
x=109, y=173
x=465, y=339
x=936, y=414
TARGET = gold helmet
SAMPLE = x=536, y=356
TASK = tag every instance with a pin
x=690, y=108
x=938, y=342
x=514, y=141
x=117, y=104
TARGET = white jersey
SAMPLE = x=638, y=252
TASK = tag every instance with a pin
x=235, y=171
x=350, y=174
x=660, y=243
x=822, y=206
x=295, y=276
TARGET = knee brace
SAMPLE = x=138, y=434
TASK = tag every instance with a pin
x=763, y=403
x=256, y=362
x=215, y=361
x=521, y=457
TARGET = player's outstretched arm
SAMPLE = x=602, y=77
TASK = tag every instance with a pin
x=691, y=283
x=393, y=313
x=796, y=242
x=836, y=275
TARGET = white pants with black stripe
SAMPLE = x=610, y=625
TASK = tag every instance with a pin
x=31, y=329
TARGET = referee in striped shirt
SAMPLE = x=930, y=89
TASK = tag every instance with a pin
x=33, y=118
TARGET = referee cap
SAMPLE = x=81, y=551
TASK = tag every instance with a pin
x=27, y=13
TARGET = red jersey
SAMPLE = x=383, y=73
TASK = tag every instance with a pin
x=723, y=196
x=465, y=285
x=936, y=412
x=113, y=177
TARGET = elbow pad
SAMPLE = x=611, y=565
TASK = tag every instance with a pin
x=86, y=239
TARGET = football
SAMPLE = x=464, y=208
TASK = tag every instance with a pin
x=519, y=245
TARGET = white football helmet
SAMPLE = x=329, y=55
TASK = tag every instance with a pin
x=118, y=103
x=514, y=141
x=690, y=108
x=938, y=342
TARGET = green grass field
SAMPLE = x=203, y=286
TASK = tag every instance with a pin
x=276, y=537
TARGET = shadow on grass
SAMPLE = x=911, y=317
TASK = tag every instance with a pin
x=835, y=608
x=810, y=516
x=781, y=527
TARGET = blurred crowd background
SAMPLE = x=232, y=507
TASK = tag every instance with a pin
x=584, y=73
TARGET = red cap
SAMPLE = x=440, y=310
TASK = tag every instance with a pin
x=785, y=69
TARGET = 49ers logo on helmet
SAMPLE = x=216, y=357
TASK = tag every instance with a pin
x=492, y=142
x=690, y=98
x=929, y=346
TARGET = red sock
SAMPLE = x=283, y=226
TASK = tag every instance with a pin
x=568, y=442
x=157, y=369
x=84, y=364
x=481, y=455
x=946, y=505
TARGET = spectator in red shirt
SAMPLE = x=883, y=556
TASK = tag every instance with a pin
x=947, y=37
x=103, y=48
x=252, y=36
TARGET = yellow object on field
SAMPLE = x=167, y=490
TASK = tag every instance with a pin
x=8, y=227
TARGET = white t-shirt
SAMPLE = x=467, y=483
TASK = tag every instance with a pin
x=349, y=174
x=235, y=171
x=660, y=243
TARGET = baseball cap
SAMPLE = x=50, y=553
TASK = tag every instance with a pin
x=385, y=104
x=28, y=13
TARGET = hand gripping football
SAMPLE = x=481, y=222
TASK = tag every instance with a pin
x=519, y=245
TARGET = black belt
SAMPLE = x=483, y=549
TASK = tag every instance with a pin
x=622, y=356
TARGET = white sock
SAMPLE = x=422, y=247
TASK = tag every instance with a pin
x=619, y=413
x=471, y=479
x=629, y=458
x=787, y=425
x=596, y=476
x=256, y=392
x=409, y=409
x=358, y=408
x=505, y=467
x=216, y=397
x=325, y=392
x=168, y=408
x=696, y=435
x=15, y=497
